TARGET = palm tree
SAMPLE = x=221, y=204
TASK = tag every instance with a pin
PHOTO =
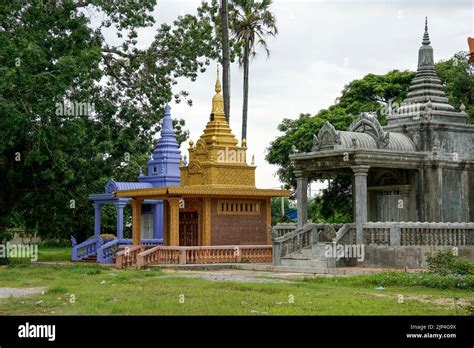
x=225, y=57
x=251, y=22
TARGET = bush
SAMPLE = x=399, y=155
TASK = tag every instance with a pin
x=397, y=279
x=5, y=236
x=446, y=262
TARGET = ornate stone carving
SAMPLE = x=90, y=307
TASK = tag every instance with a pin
x=327, y=137
x=367, y=123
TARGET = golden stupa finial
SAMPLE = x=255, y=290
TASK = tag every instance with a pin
x=218, y=100
x=218, y=87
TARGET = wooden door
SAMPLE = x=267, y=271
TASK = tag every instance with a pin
x=188, y=228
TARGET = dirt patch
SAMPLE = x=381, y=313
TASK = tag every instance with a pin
x=229, y=275
x=447, y=302
x=20, y=292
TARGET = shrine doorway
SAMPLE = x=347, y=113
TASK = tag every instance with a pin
x=188, y=228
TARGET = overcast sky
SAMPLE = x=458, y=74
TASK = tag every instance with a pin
x=321, y=46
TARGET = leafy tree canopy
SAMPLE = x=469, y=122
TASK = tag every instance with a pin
x=76, y=110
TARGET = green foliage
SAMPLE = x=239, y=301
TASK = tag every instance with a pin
x=447, y=263
x=458, y=81
x=277, y=216
x=53, y=53
x=370, y=93
x=406, y=279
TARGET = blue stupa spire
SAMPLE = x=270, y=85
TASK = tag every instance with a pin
x=163, y=166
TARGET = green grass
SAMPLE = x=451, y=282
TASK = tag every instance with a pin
x=91, y=289
x=54, y=254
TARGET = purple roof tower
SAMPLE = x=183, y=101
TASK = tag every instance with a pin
x=163, y=166
x=163, y=170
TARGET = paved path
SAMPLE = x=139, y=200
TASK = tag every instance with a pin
x=20, y=292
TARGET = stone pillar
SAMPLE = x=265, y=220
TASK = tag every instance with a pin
x=136, y=221
x=157, y=211
x=404, y=209
x=360, y=181
x=302, y=197
x=97, y=211
x=120, y=206
x=173, y=221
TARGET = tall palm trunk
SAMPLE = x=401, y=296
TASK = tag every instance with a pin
x=225, y=58
x=246, y=91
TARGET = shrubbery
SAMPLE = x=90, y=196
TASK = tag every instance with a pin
x=446, y=262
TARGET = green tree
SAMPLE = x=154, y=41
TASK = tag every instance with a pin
x=52, y=56
x=251, y=22
x=458, y=82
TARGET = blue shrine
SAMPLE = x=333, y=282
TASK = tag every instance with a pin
x=163, y=170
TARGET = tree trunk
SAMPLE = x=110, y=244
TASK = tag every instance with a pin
x=225, y=58
x=246, y=92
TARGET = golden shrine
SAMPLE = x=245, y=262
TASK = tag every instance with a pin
x=217, y=202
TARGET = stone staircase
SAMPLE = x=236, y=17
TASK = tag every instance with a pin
x=311, y=258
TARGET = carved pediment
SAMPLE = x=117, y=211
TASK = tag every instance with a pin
x=201, y=148
x=111, y=186
x=327, y=137
x=194, y=168
x=367, y=123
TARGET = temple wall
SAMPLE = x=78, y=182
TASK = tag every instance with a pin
x=411, y=257
x=446, y=195
x=238, y=229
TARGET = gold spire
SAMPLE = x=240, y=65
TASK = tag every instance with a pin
x=218, y=87
x=216, y=159
x=218, y=101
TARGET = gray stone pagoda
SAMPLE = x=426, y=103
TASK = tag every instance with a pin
x=410, y=178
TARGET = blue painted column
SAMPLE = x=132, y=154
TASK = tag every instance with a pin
x=120, y=206
x=97, y=210
x=157, y=211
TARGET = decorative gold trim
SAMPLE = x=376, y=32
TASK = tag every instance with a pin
x=174, y=221
x=204, y=190
x=238, y=207
x=206, y=222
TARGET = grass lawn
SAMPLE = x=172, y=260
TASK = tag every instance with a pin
x=54, y=254
x=98, y=290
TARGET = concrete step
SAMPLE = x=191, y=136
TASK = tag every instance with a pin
x=310, y=270
x=304, y=263
x=89, y=259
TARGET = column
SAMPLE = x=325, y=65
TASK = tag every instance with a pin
x=157, y=211
x=206, y=221
x=360, y=181
x=120, y=206
x=136, y=221
x=173, y=221
x=404, y=210
x=268, y=211
x=302, y=198
x=97, y=210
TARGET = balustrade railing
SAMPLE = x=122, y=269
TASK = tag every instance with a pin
x=419, y=233
x=296, y=240
x=204, y=254
x=281, y=229
x=86, y=248
x=128, y=256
